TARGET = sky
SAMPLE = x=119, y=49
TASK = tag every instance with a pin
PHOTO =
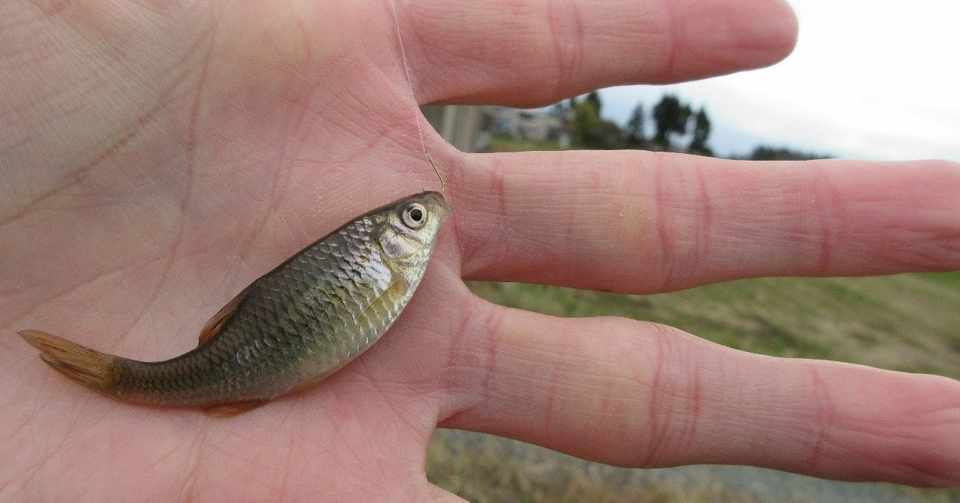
x=869, y=79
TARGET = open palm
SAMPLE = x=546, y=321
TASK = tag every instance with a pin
x=158, y=156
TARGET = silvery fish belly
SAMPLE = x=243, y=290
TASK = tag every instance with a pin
x=292, y=327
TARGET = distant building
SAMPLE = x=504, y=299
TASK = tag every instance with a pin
x=536, y=125
x=469, y=128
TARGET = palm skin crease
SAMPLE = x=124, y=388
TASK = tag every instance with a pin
x=156, y=157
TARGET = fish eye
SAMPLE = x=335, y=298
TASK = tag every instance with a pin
x=414, y=216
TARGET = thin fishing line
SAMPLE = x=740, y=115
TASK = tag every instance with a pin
x=413, y=93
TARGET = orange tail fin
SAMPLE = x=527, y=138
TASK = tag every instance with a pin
x=89, y=367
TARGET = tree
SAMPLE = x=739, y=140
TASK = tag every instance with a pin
x=589, y=130
x=701, y=132
x=609, y=136
x=585, y=124
x=671, y=116
x=594, y=99
x=635, y=134
x=765, y=153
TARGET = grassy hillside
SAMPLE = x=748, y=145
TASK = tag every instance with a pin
x=906, y=322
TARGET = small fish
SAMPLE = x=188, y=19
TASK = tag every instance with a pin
x=291, y=328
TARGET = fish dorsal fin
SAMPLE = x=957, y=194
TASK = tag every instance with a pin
x=213, y=327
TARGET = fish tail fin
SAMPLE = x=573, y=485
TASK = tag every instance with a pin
x=90, y=368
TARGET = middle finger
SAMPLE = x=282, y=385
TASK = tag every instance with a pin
x=644, y=222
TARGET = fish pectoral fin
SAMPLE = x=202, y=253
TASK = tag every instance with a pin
x=215, y=324
x=233, y=408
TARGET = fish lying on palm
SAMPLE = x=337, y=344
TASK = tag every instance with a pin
x=290, y=328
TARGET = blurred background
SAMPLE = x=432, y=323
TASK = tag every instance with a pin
x=868, y=80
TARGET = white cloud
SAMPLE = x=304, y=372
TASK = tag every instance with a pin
x=869, y=79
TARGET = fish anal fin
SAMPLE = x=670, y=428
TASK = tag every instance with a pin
x=218, y=320
x=233, y=408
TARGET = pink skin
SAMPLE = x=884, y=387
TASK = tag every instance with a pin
x=157, y=156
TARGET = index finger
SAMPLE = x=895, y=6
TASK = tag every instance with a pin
x=537, y=51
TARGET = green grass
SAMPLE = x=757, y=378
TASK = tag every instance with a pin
x=906, y=322
x=508, y=144
x=950, y=279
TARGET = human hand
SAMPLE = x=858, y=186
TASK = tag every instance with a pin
x=156, y=157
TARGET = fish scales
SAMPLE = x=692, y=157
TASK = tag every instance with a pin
x=315, y=302
x=292, y=327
